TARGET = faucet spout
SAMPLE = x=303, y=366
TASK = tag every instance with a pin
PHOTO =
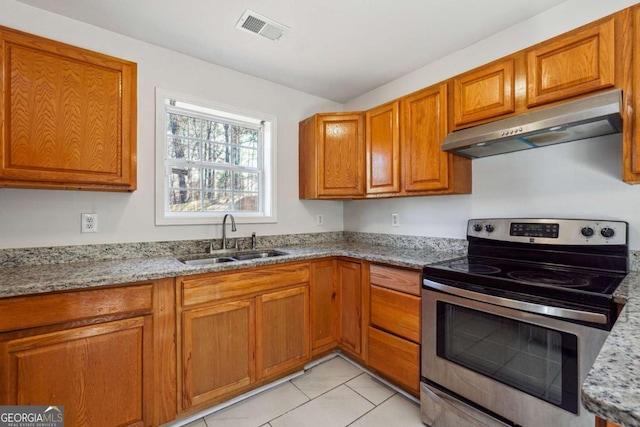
x=224, y=230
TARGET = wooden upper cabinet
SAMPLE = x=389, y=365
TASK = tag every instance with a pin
x=331, y=149
x=578, y=62
x=424, y=127
x=484, y=93
x=69, y=116
x=383, y=149
x=631, y=138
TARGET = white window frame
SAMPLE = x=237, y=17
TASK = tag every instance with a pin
x=267, y=190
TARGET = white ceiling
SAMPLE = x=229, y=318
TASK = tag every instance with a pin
x=336, y=49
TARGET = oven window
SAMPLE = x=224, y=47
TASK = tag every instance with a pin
x=538, y=361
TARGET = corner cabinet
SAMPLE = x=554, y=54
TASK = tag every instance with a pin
x=69, y=116
x=238, y=330
x=331, y=156
x=73, y=349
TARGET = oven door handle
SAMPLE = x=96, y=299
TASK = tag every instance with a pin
x=565, y=313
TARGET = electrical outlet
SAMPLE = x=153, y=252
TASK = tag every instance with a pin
x=395, y=220
x=89, y=223
x=319, y=219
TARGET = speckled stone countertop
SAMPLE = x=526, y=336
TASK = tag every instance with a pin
x=612, y=388
x=34, y=279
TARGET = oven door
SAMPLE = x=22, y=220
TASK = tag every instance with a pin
x=520, y=367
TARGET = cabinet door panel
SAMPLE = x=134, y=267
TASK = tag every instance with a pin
x=69, y=116
x=383, y=149
x=349, y=279
x=95, y=372
x=574, y=64
x=324, y=304
x=484, y=93
x=282, y=332
x=424, y=127
x=218, y=350
x=631, y=144
x=340, y=156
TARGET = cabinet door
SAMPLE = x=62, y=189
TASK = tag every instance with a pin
x=383, y=149
x=324, y=305
x=341, y=155
x=69, y=116
x=96, y=372
x=631, y=141
x=282, y=331
x=218, y=350
x=396, y=358
x=484, y=93
x=578, y=62
x=424, y=127
x=350, y=292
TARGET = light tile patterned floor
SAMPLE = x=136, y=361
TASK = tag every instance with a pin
x=335, y=393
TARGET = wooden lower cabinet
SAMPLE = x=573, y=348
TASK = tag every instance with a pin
x=395, y=358
x=393, y=338
x=323, y=292
x=240, y=329
x=114, y=367
x=282, y=331
x=350, y=292
x=604, y=423
x=217, y=350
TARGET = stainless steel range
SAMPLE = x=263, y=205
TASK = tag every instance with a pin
x=511, y=330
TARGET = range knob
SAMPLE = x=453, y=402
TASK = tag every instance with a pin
x=587, y=231
x=477, y=227
x=489, y=228
x=607, y=232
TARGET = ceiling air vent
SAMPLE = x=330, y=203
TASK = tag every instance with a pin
x=261, y=25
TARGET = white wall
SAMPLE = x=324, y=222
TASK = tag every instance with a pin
x=575, y=180
x=50, y=218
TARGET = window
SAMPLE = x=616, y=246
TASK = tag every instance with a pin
x=212, y=160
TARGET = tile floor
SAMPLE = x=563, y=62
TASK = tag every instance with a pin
x=335, y=393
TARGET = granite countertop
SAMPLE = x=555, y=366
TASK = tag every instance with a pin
x=612, y=388
x=27, y=280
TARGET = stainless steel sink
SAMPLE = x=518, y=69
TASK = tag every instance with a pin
x=255, y=255
x=206, y=259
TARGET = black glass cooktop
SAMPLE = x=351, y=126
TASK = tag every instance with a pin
x=552, y=281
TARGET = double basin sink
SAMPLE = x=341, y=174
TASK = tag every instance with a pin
x=232, y=257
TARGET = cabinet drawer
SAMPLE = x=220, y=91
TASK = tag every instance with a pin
x=397, y=279
x=396, y=358
x=52, y=309
x=217, y=286
x=396, y=312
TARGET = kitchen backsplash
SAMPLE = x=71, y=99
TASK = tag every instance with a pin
x=107, y=252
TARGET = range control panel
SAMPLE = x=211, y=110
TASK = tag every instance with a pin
x=550, y=231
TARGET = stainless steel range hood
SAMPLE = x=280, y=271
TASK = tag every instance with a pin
x=584, y=118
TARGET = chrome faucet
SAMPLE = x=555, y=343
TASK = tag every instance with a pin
x=224, y=230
